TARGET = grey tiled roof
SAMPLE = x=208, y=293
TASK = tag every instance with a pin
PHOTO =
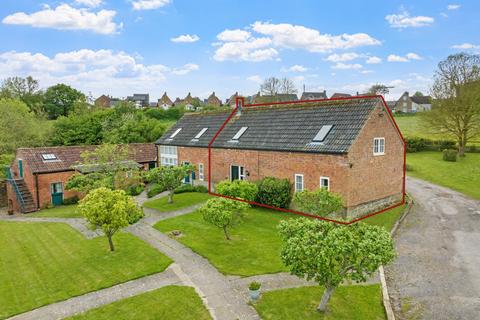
x=281, y=128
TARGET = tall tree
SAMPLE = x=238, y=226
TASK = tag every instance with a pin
x=287, y=86
x=330, y=253
x=456, y=99
x=25, y=89
x=110, y=210
x=60, y=100
x=19, y=127
x=270, y=86
x=378, y=89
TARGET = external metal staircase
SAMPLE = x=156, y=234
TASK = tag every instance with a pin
x=24, y=196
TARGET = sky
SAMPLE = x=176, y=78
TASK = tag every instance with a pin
x=121, y=47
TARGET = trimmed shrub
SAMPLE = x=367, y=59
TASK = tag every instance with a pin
x=154, y=190
x=416, y=144
x=450, y=155
x=320, y=202
x=135, y=189
x=275, y=192
x=189, y=188
x=238, y=189
x=71, y=200
x=446, y=144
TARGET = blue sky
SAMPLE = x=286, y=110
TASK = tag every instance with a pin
x=125, y=46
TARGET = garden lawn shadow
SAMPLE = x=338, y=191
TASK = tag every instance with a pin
x=180, y=201
x=347, y=302
x=65, y=211
x=170, y=302
x=42, y=263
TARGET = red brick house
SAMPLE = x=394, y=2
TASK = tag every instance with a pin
x=350, y=146
x=38, y=175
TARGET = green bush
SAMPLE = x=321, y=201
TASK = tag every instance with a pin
x=450, y=155
x=473, y=148
x=135, y=189
x=320, y=202
x=416, y=144
x=409, y=167
x=71, y=200
x=238, y=189
x=134, y=216
x=274, y=192
x=154, y=190
x=189, y=188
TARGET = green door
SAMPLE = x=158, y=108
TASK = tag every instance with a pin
x=234, y=173
x=20, y=167
x=57, y=193
x=187, y=177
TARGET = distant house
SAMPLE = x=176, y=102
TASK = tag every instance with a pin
x=164, y=102
x=105, y=101
x=37, y=176
x=340, y=95
x=391, y=104
x=314, y=95
x=177, y=101
x=279, y=97
x=188, y=102
x=232, y=100
x=412, y=104
x=141, y=100
x=351, y=147
x=213, y=100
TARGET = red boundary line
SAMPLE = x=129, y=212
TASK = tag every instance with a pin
x=241, y=101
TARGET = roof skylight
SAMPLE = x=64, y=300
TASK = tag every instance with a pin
x=201, y=133
x=322, y=133
x=239, y=133
x=175, y=133
x=49, y=156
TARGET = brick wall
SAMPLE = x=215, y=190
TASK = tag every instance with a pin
x=3, y=193
x=44, y=182
x=363, y=180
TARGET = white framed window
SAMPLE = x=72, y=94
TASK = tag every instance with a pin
x=201, y=175
x=175, y=133
x=298, y=182
x=325, y=182
x=239, y=133
x=378, y=146
x=168, y=156
x=201, y=133
x=237, y=172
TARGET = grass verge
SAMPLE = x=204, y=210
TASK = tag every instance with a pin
x=181, y=200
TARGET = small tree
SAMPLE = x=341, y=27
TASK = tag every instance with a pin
x=169, y=177
x=223, y=213
x=109, y=210
x=330, y=253
x=238, y=189
x=320, y=202
x=378, y=89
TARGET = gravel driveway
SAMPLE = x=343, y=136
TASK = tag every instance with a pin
x=437, y=272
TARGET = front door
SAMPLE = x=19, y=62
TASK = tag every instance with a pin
x=187, y=177
x=237, y=173
x=57, y=193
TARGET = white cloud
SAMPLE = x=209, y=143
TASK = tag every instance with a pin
x=342, y=57
x=408, y=57
x=466, y=46
x=186, y=38
x=89, y=3
x=443, y=14
x=187, y=68
x=255, y=78
x=149, y=4
x=100, y=71
x=255, y=49
x=236, y=35
x=295, y=68
x=346, y=66
x=299, y=37
x=65, y=17
x=366, y=71
x=242, y=45
x=453, y=6
x=373, y=60
x=404, y=20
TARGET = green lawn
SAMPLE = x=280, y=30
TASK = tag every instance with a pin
x=413, y=126
x=254, y=248
x=167, y=303
x=463, y=175
x=255, y=245
x=69, y=211
x=181, y=200
x=41, y=263
x=347, y=302
x=386, y=219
